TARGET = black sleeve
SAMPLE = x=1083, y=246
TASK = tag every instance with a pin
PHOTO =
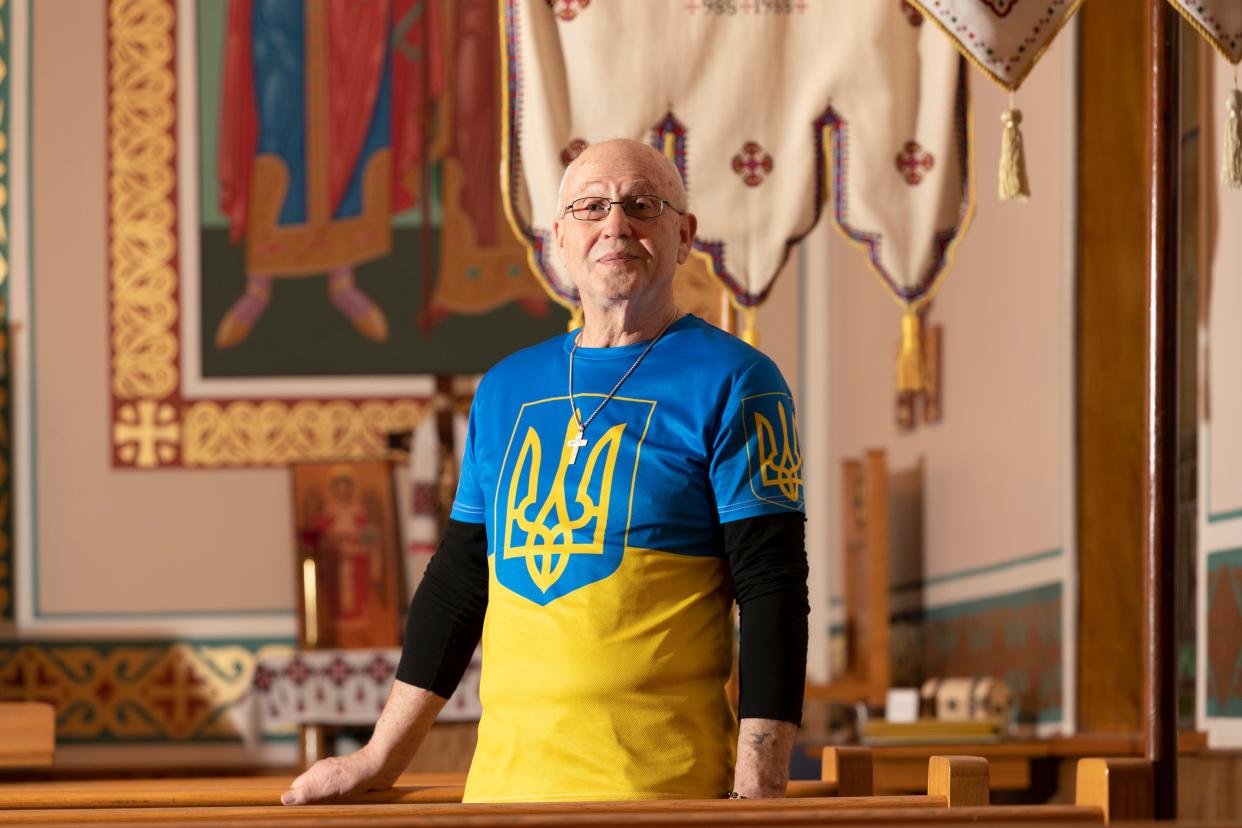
x=767, y=561
x=445, y=619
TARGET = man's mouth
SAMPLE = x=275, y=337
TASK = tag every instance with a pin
x=612, y=258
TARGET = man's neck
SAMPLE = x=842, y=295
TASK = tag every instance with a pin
x=621, y=325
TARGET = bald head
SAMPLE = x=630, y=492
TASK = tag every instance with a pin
x=622, y=155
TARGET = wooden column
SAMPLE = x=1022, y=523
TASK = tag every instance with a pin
x=1109, y=364
x=1160, y=461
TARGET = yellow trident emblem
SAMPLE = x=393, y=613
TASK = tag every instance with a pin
x=784, y=472
x=548, y=548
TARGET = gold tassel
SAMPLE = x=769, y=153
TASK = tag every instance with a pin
x=749, y=334
x=1012, y=184
x=1231, y=163
x=911, y=370
x=575, y=318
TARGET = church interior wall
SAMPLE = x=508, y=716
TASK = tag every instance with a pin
x=1219, y=594
x=996, y=537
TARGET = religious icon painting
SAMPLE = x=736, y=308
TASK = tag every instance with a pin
x=347, y=244
x=349, y=563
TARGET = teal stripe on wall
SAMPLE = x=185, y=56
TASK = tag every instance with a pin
x=1016, y=636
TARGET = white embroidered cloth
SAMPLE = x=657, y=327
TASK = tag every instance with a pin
x=1004, y=38
x=333, y=687
x=768, y=107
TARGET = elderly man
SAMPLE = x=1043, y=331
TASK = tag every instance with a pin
x=622, y=485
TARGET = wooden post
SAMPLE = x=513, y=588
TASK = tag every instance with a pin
x=1121, y=788
x=850, y=768
x=1160, y=461
x=961, y=780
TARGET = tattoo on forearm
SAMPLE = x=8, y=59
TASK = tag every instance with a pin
x=759, y=738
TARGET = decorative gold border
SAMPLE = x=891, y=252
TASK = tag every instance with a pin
x=152, y=424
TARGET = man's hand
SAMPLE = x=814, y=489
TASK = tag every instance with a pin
x=340, y=776
x=403, y=724
x=763, y=749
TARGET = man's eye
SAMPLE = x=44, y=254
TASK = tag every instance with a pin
x=595, y=205
x=643, y=203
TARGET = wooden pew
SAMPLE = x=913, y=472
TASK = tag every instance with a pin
x=957, y=792
x=256, y=791
x=832, y=811
x=1109, y=790
x=27, y=734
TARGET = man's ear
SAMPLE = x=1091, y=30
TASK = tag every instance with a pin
x=560, y=241
x=689, y=226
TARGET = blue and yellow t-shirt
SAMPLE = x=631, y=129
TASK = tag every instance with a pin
x=608, y=640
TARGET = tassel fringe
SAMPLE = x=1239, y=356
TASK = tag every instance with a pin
x=911, y=365
x=1012, y=183
x=1231, y=161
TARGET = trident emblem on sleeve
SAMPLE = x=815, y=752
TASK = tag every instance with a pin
x=550, y=540
x=783, y=471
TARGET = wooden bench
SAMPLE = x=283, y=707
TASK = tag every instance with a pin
x=253, y=791
x=1110, y=790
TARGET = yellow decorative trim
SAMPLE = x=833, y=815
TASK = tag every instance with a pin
x=153, y=425
x=270, y=432
x=142, y=210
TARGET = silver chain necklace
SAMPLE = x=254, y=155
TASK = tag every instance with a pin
x=580, y=441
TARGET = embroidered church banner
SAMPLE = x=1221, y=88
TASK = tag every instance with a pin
x=767, y=109
x=1004, y=38
x=1219, y=21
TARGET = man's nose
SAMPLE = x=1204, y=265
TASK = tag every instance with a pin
x=617, y=223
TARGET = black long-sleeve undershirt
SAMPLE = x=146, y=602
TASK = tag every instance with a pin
x=768, y=568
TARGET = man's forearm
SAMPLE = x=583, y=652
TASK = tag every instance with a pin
x=405, y=721
x=763, y=750
x=402, y=726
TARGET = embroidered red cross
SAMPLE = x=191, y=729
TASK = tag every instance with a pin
x=753, y=164
x=913, y=161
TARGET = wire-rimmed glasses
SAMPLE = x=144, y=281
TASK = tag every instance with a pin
x=597, y=208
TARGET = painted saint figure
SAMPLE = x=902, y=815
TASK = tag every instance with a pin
x=321, y=143
x=353, y=534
